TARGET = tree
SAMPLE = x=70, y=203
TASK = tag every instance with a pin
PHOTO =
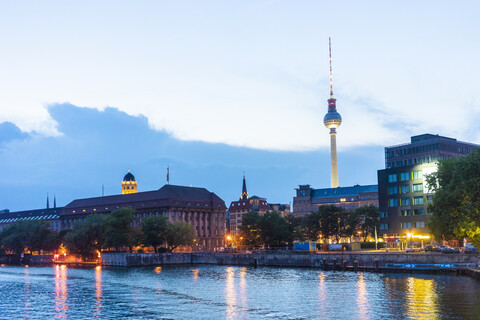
x=455, y=207
x=87, y=237
x=250, y=229
x=32, y=236
x=274, y=230
x=179, y=234
x=365, y=218
x=118, y=229
x=155, y=230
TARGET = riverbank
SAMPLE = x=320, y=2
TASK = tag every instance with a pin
x=367, y=261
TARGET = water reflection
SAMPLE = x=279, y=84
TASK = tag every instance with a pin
x=322, y=293
x=230, y=294
x=195, y=274
x=362, y=298
x=98, y=291
x=61, y=294
x=26, y=298
x=421, y=299
x=243, y=288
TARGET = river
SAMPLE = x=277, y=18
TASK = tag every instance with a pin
x=224, y=292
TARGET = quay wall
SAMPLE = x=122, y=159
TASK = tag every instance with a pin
x=350, y=259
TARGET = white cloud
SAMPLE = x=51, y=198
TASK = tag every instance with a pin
x=251, y=75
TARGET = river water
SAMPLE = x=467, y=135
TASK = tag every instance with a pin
x=225, y=292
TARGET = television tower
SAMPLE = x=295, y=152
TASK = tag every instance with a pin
x=332, y=121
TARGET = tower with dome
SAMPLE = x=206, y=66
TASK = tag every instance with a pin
x=129, y=185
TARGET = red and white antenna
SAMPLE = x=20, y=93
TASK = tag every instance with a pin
x=331, y=72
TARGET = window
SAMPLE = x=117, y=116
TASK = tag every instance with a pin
x=404, y=176
x=418, y=200
x=420, y=224
x=405, y=202
x=392, y=190
x=383, y=214
x=405, y=225
x=417, y=187
x=384, y=226
x=419, y=212
x=393, y=202
x=392, y=177
x=429, y=198
x=405, y=188
x=405, y=213
x=417, y=174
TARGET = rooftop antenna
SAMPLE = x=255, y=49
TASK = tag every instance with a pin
x=331, y=72
x=103, y=190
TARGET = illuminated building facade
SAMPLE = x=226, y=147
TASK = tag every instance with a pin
x=403, y=193
x=129, y=185
x=309, y=200
x=202, y=209
x=246, y=204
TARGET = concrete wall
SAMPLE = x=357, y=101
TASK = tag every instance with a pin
x=282, y=259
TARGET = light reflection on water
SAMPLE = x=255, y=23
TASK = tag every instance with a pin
x=227, y=292
x=61, y=292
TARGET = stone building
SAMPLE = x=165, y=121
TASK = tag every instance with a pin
x=202, y=209
x=246, y=204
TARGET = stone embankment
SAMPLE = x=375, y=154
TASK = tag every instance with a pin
x=376, y=261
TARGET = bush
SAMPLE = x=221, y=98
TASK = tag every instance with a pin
x=371, y=245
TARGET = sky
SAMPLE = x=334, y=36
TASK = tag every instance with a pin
x=213, y=89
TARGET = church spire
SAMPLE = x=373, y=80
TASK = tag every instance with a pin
x=48, y=204
x=54, y=201
x=244, y=195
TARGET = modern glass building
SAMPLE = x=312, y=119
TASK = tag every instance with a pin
x=402, y=191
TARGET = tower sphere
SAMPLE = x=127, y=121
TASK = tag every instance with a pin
x=332, y=120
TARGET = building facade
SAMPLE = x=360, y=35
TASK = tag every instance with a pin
x=246, y=204
x=202, y=209
x=308, y=200
x=403, y=192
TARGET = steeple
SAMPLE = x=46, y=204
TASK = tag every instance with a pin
x=54, y=201
x=48, y=204
x=244, y=195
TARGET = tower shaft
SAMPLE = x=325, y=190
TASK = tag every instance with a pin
x=333, y=159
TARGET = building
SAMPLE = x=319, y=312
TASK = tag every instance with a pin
x=202, y=209
x=129, y=185
x=246, y=204
x=309, y=200
x=403, y=193
x=50, y=215
x=332, y=121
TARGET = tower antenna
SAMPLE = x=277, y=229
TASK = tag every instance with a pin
x=331, y=71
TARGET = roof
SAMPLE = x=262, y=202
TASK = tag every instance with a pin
x=129, y=177
x=343, y=191
x=167, y=196
x=37, y=214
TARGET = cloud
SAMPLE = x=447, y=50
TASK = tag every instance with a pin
x=10, y=132
x=95, y=148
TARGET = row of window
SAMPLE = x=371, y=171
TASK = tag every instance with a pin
x=404, y=225
x=418, y=187
x=405, y=201
x=414, y=212
x=408, y=225
x=405, y=176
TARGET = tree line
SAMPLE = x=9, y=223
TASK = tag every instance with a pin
x=329, y=222
x=96, y=233
x=455, y=208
